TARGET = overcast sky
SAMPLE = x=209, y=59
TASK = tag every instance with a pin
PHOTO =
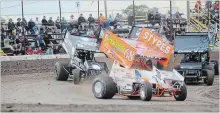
x=31, y=8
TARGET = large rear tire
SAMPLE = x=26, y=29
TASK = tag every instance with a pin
x=182, y=94
x=216, y=67
x=60, y=73
x=146, y=91
x=104, y=87
x=209, y=76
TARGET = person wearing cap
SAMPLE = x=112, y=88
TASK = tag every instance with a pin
x=81, y=21
x=91, y=20
x=72, y=22
x=102, y=20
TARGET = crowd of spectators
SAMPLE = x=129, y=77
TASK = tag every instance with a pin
x=211, y=8
x=15, y=35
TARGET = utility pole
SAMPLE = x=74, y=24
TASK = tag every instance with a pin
x=188, y=15
x=0, y=25
x=105, y=4
x=134, y=12
x=98, y=9
x=60, y=10
x=171, y=19
x=60, y=17
x=22, y=11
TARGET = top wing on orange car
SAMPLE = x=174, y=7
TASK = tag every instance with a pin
x=144, y=50
x=117, y=49
x=156, y=44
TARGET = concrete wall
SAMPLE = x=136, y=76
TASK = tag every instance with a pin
x=25, y=65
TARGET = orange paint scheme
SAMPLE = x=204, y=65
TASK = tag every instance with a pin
x=154, y=42
x=117, y=49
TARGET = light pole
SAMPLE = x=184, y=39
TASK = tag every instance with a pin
x=188, y=16
x=134, y=12
x=105, y=4
x=22, y=11
x=98, y=9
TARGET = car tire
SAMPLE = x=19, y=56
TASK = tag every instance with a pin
x=104, y=87
x=209, y=76
x=77, y=76
x=216, y=67
x=133, y=97
x=146, y=91
x=182, y=94
x=60, y=73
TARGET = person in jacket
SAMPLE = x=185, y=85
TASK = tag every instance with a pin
x=50, y=22
x=63, y=24
x=91, y=20
x=198, y=6
x=216, y=7
x=38, y=23
x=31, y=24
x=44, y=21
x=57, y=22
x=81, y=21
x=102, y=20
x=11, y=26
x=18, y=24
x=72, y=23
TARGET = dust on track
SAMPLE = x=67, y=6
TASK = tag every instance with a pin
x=40, y=92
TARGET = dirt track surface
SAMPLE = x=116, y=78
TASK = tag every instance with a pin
x=40, y=92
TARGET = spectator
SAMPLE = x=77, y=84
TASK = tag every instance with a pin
x=117, y=17
x=31, y=24
x=18, y=22
x=24, y=24
x=17, y=46
x=109, y=21
x=50, y=22
x=102, y=20
x=44, y=21
x=7, y=43
x=57, y=22
x=49, y=51
x=36, y=30
x=38, y=23
x=72, y=23
x=47, y=39
x=216, y=6
x=29, y=51
x=13, y=36
x=63, y=24
x=39, y=51
x=22, y=50
x=91, y=20
x=81, y=21
x=208, y=4
x=11, y=26
x=198, y=6
x=39, y=42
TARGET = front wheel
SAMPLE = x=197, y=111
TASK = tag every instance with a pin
x=216, y=67
x=104, y=87
x=182, y=94
x=146, y=91
x=209, y=77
